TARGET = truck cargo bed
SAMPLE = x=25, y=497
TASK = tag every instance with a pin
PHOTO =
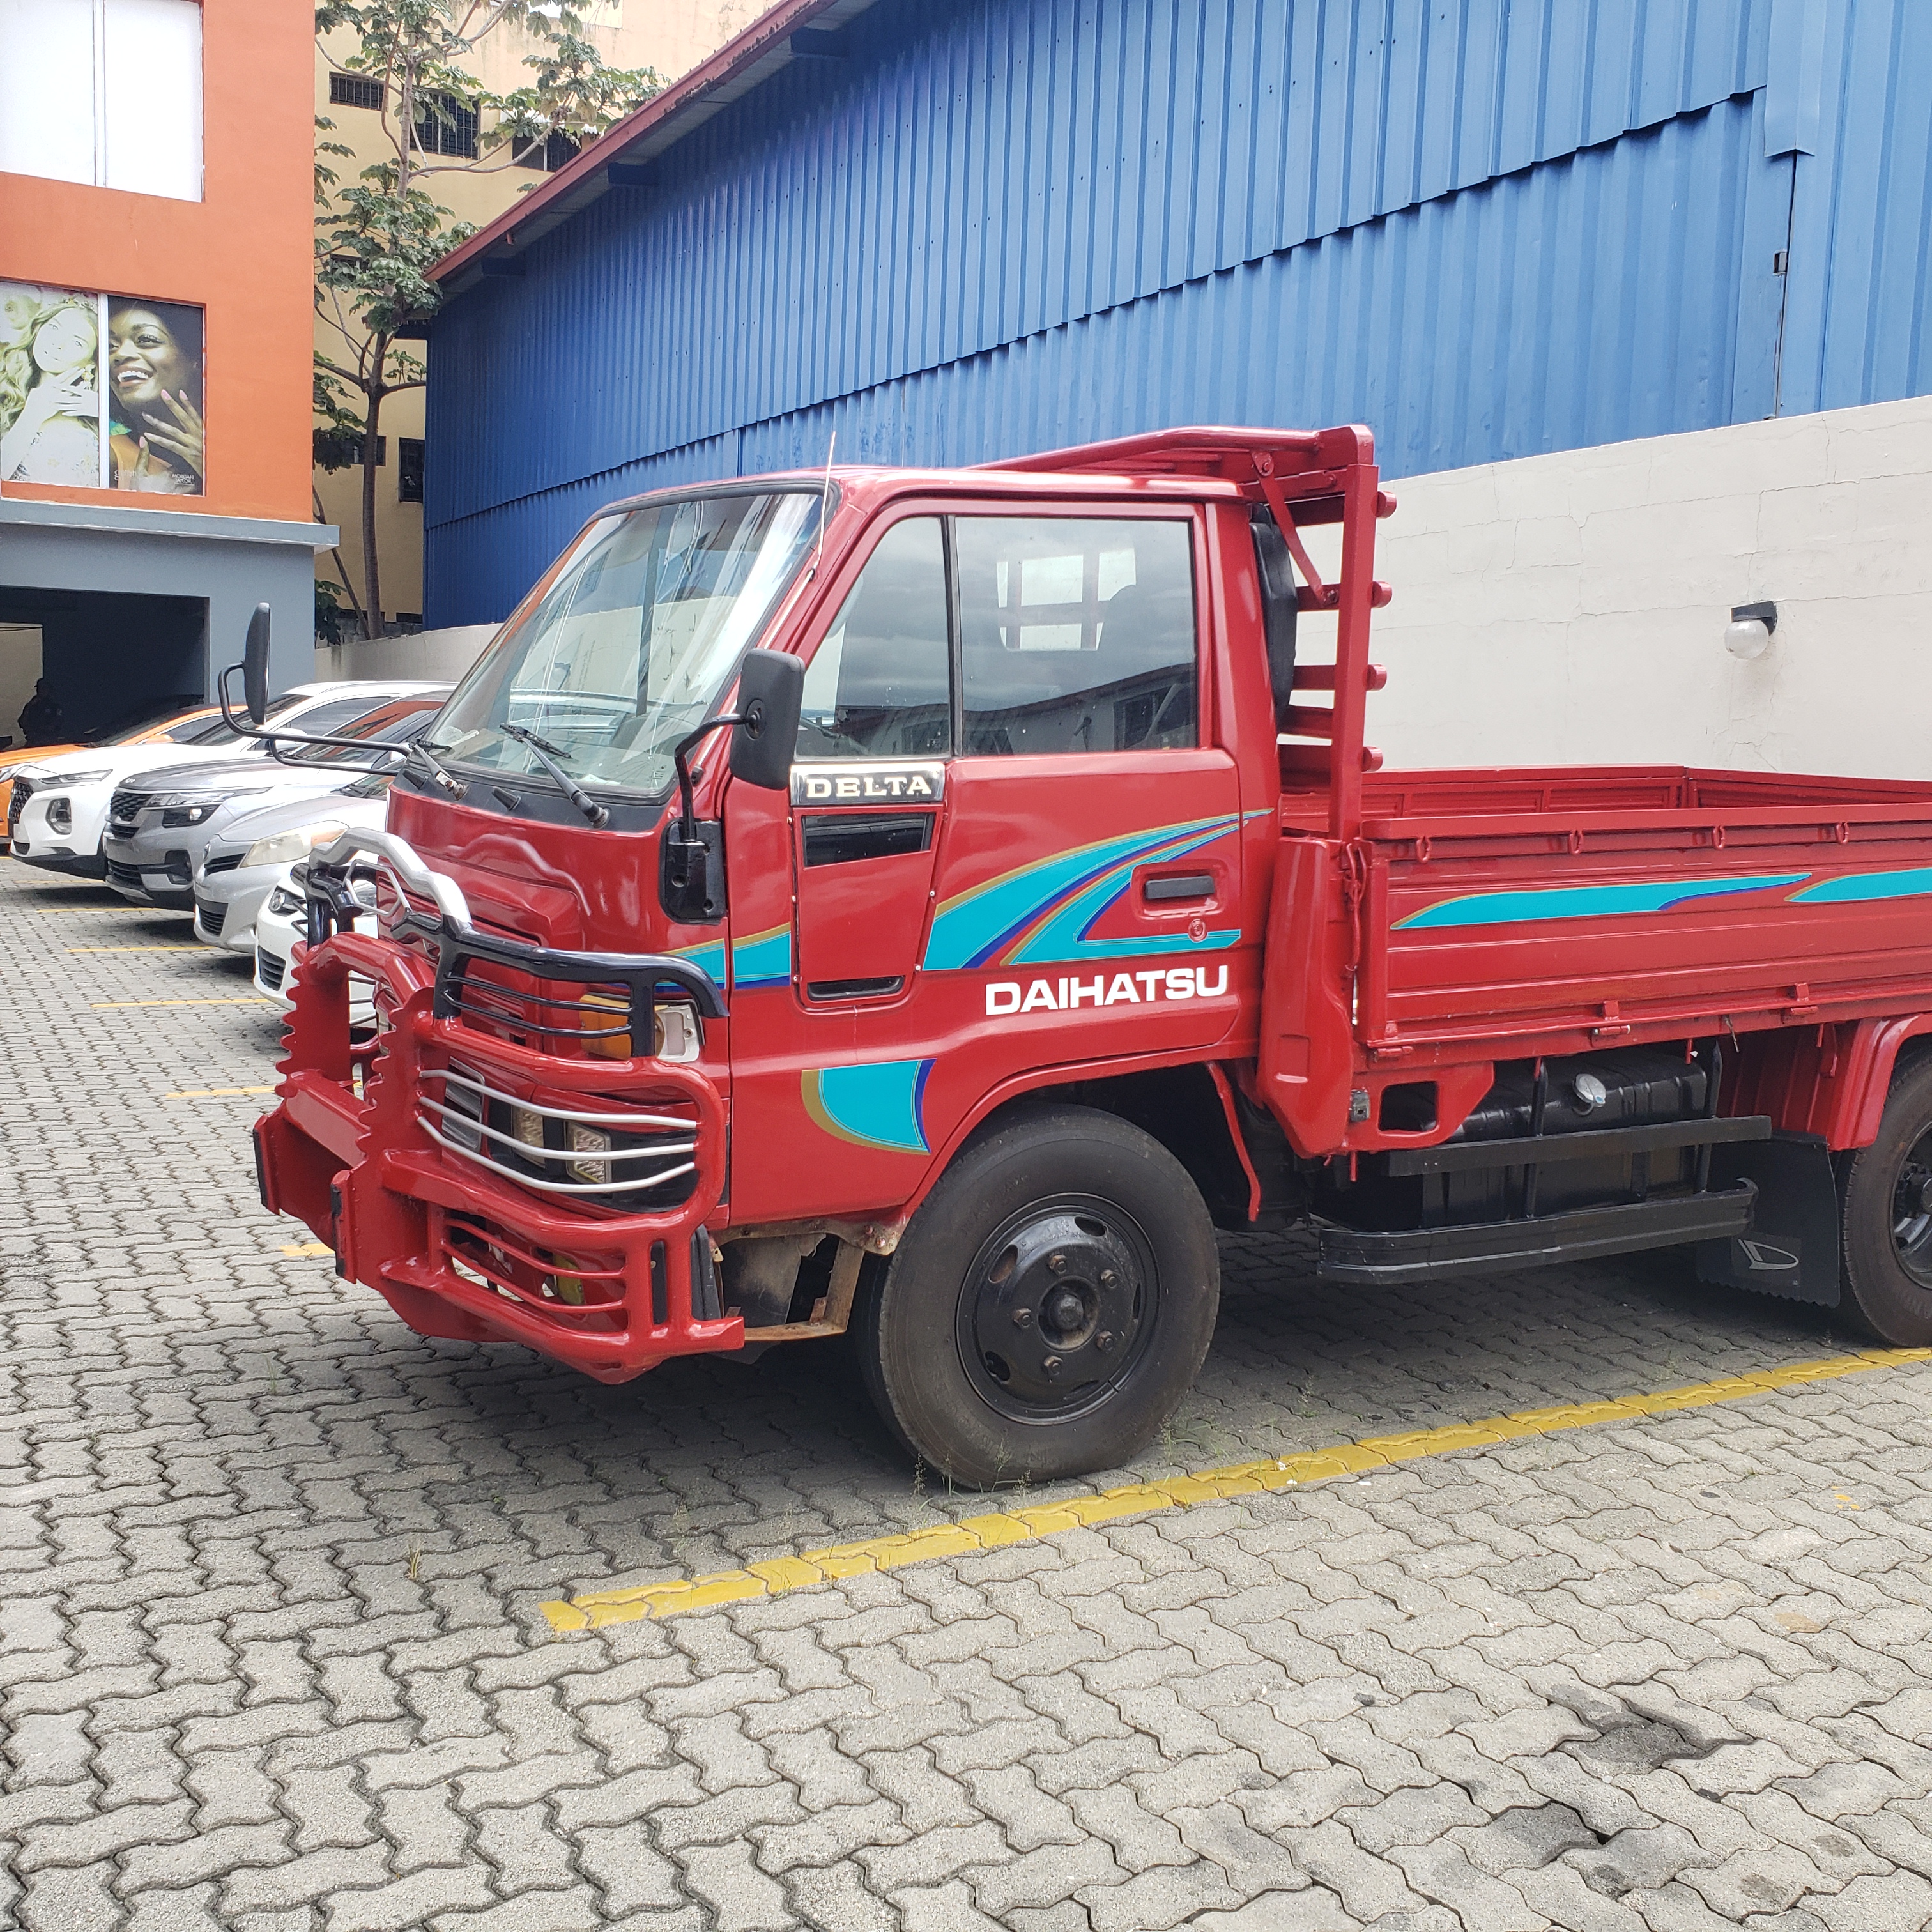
x=1503, y=909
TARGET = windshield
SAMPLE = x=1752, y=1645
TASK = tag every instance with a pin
x=629, y=649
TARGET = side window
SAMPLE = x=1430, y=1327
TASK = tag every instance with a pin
x=878, y=685
x=1077, y=634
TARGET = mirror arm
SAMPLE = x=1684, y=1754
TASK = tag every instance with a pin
x=687, y=817
x=242, y=726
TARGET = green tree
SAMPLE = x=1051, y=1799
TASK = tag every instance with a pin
x=378, y=236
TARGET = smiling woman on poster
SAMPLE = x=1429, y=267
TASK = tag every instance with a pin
x=155, y=391
x=49, y=389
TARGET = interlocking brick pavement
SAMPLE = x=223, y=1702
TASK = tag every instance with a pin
x=271, y=1660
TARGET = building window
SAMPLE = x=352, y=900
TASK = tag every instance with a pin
x=356, y=90
x=558, y=151
x=446, y=125
x=106, y=92
x=409, y=468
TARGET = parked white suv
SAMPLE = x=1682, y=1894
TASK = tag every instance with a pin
x=61, y=818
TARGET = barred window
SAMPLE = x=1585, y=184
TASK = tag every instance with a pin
x=356, y=90
x=446, y=125
x=558, y=151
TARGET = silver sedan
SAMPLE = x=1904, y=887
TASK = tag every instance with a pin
x=250, y=857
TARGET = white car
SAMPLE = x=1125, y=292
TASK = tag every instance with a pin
x=60, y=804
x=280, y=926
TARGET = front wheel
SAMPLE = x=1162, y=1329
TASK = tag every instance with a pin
x=1888, y=1220
x=1049, y=1305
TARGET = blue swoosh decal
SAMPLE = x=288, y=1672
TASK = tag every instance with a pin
x=1523, y=908
x=1855, y=888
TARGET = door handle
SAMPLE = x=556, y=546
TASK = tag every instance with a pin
x=1174, y=888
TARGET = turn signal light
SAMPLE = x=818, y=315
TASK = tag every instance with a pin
x=675, y=1033
x=599, y=1010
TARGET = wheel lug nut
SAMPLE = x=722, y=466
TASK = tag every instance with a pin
x=1107, y=1277
x=1057, y=1263
x=1104, y=1340
x=1022, y=1317
x=1051, y=1366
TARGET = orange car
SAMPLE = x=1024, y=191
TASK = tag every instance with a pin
x=178, y=726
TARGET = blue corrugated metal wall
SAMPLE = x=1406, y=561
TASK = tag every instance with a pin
x=1485, y=227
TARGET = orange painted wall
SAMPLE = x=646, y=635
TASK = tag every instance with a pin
x=243, y=253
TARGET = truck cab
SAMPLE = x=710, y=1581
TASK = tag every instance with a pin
x=929, y=904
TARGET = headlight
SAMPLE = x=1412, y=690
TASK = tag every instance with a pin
x=588, y=1140
x=201, y=801
x=286, y=846
x=54, y=778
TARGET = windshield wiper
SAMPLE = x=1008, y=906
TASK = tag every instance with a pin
x=546, y=754
x=455, y=787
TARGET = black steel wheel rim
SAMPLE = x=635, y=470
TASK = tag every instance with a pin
x=1057, y=1308
x=1911, y=1212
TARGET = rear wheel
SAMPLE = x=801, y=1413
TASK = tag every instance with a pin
x=1888, y=1220
x=1049, y=1305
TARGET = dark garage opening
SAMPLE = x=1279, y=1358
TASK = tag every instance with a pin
x=112, y=658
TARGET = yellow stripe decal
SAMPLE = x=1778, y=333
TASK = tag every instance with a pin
x=256, y=999
x=780, y=1574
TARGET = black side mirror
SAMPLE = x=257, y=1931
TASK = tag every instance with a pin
x=255, y=667
x=771, y=689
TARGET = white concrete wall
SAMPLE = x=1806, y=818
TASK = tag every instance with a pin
x=1571, y=608
x=441, y=654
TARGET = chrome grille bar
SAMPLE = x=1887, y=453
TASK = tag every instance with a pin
x=603, y=1156
x=573, y=1187
x=489, y=1092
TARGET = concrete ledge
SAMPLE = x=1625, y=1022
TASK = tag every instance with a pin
x=131, y=522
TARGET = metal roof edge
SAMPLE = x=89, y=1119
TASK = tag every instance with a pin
x=762, y=50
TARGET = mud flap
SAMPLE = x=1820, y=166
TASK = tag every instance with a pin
x=1792, y=1250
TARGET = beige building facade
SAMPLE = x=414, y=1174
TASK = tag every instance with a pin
x=671, y=36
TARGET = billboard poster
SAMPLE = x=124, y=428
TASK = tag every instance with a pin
x=101, y=391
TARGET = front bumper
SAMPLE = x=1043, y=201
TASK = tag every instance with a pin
x=360, y=1147
x=162, y=878
x=228, y=904
x=58, y=827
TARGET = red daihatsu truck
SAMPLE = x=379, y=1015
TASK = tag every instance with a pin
x=931, y=903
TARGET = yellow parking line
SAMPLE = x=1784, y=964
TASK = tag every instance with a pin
x=209, y=1093
x=158, y=948
x=303, y=1250
x=783, y=1573
x=240, y=1000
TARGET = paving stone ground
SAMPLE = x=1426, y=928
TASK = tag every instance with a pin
x=271, y=1657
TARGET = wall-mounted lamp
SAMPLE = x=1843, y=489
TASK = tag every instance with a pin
x=1749, y=632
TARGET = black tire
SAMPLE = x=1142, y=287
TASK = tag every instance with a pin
x=1887, y=1219
x=1048, y=1306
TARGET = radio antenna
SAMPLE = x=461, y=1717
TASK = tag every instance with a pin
x=824, y=503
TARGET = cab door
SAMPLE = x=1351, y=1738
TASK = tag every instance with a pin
x=822, y=1002
x=1009, y=845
